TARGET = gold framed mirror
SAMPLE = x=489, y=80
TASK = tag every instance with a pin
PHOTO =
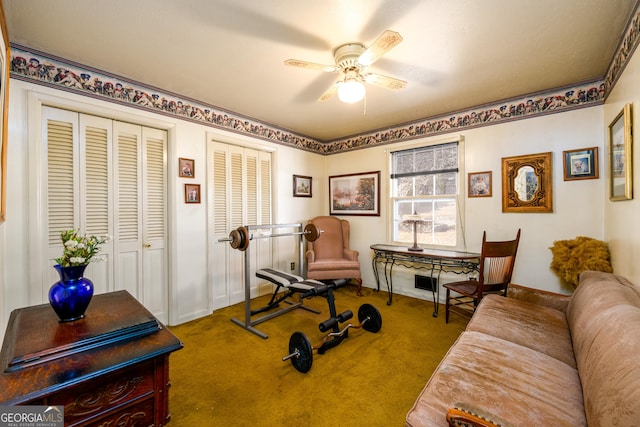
x=527, y=183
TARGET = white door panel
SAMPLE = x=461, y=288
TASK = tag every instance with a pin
x=154, y=225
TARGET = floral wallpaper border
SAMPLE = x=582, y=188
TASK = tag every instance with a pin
x=40, y=68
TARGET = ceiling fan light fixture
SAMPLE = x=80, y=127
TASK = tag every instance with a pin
x=351, y=91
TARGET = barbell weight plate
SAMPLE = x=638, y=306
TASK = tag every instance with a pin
x=311, y=232
x=244, y=239
x=375, y=320
x=235, y=239
x=303, y=361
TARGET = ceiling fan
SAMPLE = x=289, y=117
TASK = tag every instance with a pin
x=351, y=61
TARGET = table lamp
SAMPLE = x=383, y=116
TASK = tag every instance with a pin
x=415, y=219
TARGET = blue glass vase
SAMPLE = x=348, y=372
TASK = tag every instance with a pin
x=71, y=295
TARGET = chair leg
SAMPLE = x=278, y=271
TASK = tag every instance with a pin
x=359, y=290
x=446, y=308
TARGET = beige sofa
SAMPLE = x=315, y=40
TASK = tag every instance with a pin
x=541, y=359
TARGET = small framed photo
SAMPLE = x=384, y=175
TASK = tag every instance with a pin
x=302, y=186
x=192, y=193
x=580, y=164
x=186, y=168
x=480, y=184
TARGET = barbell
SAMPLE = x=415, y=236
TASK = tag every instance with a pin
x=240, y=237
x=301, y=350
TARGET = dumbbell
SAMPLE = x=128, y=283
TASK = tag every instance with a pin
x=301, y=350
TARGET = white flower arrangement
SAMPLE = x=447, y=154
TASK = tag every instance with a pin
x=79, y=249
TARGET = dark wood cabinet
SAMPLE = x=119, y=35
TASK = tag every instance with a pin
x=110, y=368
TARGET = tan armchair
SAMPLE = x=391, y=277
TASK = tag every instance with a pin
x=329, y=257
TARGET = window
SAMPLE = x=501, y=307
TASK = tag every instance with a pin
x=424, y=180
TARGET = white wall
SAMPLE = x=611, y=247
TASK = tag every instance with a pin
x=577, y=205
x=622, y=229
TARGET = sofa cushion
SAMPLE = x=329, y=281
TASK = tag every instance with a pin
x=511, y=381
x=604, y=318
x=540, y=328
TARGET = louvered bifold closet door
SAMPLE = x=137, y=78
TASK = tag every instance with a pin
x=75, y=189
x=236, y=180
x=127, y=236
x=261, y=249
x=96, y=195
x=265, y=187
x=60, y=189
x=219, y=223
x=237, y=218
x=105, y=177
x=155, y=259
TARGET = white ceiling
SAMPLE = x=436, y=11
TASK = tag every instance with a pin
x=230, y=53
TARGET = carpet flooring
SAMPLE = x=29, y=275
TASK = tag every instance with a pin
x=227, y=376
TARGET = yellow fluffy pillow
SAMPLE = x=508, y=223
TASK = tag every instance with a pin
x=572, y=257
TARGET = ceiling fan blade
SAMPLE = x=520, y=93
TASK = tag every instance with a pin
x=310, y=65
x=387, y=41
x=384, y=81
x=330, y=92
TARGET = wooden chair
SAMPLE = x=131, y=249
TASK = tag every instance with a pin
x=330, y=257
x=496, y=268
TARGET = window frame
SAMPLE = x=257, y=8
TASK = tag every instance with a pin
x=460, y=244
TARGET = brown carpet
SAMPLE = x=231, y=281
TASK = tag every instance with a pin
x=227, y=376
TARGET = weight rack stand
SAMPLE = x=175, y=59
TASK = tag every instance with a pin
x=249, y=323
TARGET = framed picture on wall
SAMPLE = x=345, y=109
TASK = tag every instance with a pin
x=480, y=184
x=527, y=183
x=355, y=194
x=302, y=186
x=620, y=156
x=580, y=164
x=192, y=193
x=186, y=168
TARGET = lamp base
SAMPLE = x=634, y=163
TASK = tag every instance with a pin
x=415, y=249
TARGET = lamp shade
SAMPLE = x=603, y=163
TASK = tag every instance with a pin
x=413, y=218
x=351, y=91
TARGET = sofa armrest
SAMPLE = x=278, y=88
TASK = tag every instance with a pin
x=539, y=296
x=465, y=415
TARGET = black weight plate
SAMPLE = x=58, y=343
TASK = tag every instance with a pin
x=301, y=343
x=375, y=320
x=244, y=239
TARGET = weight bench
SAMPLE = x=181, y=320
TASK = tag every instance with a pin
x=292, y=284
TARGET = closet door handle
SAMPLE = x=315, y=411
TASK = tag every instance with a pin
x=146, y=245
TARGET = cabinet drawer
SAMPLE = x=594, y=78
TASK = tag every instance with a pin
x=99, y=395
x=137, y=415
